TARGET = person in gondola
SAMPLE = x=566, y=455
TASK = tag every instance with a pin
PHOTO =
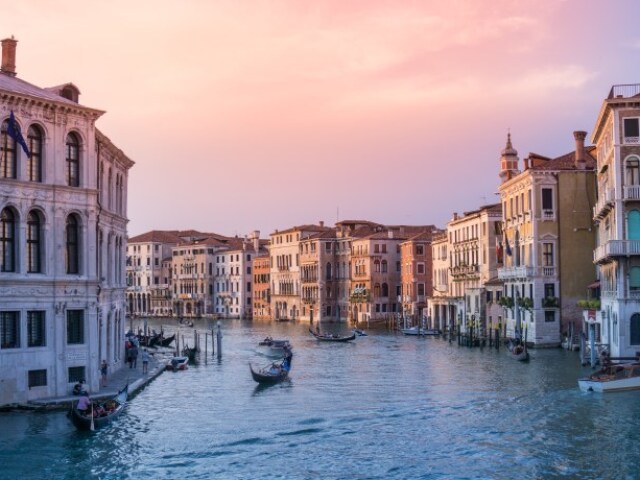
x=84, y=403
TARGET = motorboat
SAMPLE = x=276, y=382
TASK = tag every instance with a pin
x=178, y=363
x=613, y=377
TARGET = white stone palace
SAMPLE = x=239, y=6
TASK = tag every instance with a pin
x=63, y=217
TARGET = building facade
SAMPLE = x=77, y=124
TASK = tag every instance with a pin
x=548, y=241
x=62, y=240
x=615, y=324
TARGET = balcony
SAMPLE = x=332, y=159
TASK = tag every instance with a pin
x=604, y=204
x=464, y=269
x=616, y=248
x=514, y=273
x=548, y=271
x=631, y=193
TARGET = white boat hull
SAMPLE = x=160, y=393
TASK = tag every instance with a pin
x=618, y=385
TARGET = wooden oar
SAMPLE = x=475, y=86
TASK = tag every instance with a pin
x=92, y=425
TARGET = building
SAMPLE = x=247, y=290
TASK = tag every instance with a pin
x=262, y=286
x=63, y=217
x=416, y=276
x=549, y=238
x=441, y=307
x=615, y=324
x=284, y=250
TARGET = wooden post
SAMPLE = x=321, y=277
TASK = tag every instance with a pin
x=213, y=348
x=219, y=341
x=205, y=344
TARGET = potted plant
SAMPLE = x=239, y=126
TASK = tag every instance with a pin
x=525, y=303
x=550, y=302
x=506, y=302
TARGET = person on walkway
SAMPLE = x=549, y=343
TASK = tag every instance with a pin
x=103, y=373
x=145, y=361
x=134, y=357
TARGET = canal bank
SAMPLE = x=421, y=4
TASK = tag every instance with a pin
x=134, y=377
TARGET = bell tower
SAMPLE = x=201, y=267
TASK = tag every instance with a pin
x=508, y=161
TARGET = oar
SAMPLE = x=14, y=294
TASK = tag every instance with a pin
x=92, y=425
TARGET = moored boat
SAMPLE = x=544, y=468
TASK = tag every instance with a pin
x=100, y=414
x=177, y=363
x=613, y=377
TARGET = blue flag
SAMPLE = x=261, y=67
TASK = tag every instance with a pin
x=507, y=246
x=13, y=130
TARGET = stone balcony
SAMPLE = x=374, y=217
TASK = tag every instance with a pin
x=616, y=248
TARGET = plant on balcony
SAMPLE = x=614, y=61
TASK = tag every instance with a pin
x=589, y=304
x=525, y=303
x=506, y=302
x=550, y=302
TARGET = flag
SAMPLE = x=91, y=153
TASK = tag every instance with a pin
x=507, y=246
x=13, y=130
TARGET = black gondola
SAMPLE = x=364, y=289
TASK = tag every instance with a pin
x=165, y=342
x=331, y=337
x=274, y=373
x=190, y=352
x=95, y=419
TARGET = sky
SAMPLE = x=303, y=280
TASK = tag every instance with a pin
x=263, y=115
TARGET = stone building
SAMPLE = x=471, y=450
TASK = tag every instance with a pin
x=63, y=224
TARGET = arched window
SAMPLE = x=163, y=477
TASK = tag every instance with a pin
x=376, y=265
x=73, y=244
x=631, y=174
x=385, y=290
x=384, y=266
x=376, y=290
x=73, y=160
x=8, y=161
x=328, y=271
x=34, y=165
x=8, y=240
x=634, y=329
x=34, y=243
x=633, y=225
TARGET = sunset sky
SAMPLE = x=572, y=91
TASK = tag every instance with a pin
x=262, y=115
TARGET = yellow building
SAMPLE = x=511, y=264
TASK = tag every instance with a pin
x=548, y=240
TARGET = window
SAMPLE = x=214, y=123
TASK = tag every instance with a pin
x=549, y=290
x=420, y=267
x=419, y=249
x=634, y=332
x=76, y=374
x=34, y=163
x=8, y=240
x=631, y=130
x=385, y=290
x=376, y=248
x=549, y=316
x=36, y=329
x=384, y=266
x=37, y=378
x=633, y=225
x=547, y=254
x=328, y=271
x=421, y=289
x=328, y=310
x=75, y=326
x=632, y=165
x=73, y=160
x=8, y=160
x=34, y=253
x=547, y=199
x=73, y=243
x=634, y=279
x=9, y=329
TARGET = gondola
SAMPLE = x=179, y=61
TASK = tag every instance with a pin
x=165, y=342
x=190, y=352
x=274, y=373
x=331, y=337
x=112, y=409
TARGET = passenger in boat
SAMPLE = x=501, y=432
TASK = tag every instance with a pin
x=84, y=403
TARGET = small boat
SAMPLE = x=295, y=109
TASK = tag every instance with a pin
x=190, y=353
x=101, y=413
x=165, y=342
x=274, y=373
x=413, y=331
x=279, y=348
x=518, y=351
x=432, y=331
x=177, y=363
x=266, y=342
x=360, y=333
x=332, y=337
x=613, y=377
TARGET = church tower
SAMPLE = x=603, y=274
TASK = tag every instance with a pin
x=508, y=161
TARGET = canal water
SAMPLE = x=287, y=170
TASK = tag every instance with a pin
x=385, y=406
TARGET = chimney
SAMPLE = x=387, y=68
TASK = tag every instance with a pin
x=322, y=223
x=390, y=233
x=526, y=163
x=256, y=240
x=9, y=56
x=580, y=162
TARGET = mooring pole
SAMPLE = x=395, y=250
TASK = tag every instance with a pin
x=219, y=340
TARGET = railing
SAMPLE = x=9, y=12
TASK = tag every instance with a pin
x=616, y=248
x=632, y=192
x=624, y=90
x=548, y=271
x=508, y=273
x=633, y=140
x=548, y=214
x=604, y=203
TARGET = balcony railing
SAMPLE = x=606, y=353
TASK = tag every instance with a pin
x=624, y=90
x=632, y=192
x=510, y=273
x=616, y=248
x=548, y=271
x=604, y=203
